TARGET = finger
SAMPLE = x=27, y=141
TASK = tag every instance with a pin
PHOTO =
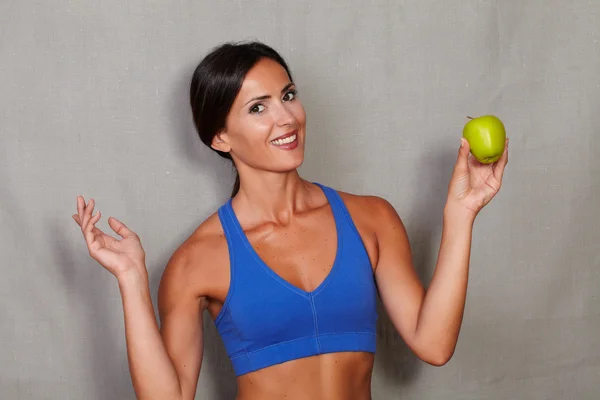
x=501, y=163
x=120, y=228
x=88, y=231
x=87, y=214
x=80, y=207
x=83, y=210
x=94, y=220
x=96, y=231
x=462, y=161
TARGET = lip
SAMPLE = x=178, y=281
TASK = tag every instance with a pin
x=291, y=133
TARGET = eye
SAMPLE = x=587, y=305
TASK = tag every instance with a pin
x=257, y=109
x=291, y=95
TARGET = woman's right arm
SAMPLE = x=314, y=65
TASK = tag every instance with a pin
x=164, y=363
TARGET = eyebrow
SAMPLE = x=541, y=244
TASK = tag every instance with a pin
x=265, y=97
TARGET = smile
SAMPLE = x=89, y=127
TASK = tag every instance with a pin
x=287, y=140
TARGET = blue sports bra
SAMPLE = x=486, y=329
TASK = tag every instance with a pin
x=265, y=320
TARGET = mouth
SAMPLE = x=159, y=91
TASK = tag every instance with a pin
x=286, y=140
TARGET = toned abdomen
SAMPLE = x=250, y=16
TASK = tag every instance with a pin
x=332, y=376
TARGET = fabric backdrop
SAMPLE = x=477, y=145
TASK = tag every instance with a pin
x=94, y=102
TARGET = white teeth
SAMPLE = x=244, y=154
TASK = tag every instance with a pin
x=287, y=140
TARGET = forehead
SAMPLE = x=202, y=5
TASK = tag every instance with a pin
x=266, y=76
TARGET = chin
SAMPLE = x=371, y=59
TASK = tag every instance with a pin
x=289, y=164
x=297, y=160
x=289, y=167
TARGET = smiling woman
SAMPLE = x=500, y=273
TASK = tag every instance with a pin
x=289, y=270
x=233, y=89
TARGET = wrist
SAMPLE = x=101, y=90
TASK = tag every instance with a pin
x=456, y=213
x=135, y=277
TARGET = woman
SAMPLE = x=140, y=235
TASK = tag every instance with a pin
x=288, y=269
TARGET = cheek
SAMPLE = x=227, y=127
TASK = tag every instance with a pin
x=251, y=130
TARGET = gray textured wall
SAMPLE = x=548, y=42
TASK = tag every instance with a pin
x=94, y=102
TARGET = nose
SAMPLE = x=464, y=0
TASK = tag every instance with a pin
x=284, y=116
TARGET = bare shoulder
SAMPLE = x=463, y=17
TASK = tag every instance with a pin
x=374, y=210
x=194, y=269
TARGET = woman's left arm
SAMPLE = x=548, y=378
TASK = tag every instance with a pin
x=429, y=320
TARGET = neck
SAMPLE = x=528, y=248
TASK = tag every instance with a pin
x=271, y=196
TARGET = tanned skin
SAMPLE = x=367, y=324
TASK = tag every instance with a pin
x=290, y=224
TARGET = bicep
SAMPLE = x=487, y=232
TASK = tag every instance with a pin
x=180, y=310
x=400, y=288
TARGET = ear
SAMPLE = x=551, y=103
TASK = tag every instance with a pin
x=220, y=143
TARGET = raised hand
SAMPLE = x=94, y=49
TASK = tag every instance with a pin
x=473, y=184
x=118, y=256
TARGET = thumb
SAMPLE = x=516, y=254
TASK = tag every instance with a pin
x=120, y=228
x=461, y=167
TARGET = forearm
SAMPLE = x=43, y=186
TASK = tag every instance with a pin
x=441, y=313
x=152, y=371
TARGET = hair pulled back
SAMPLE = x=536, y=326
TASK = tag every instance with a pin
x=216, y=83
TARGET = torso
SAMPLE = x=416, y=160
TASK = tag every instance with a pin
x=335, y=376
x=302, y=253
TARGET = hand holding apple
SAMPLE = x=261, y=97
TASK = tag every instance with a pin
x=476, y=180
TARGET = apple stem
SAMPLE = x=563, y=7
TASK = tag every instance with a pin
x=469, y=117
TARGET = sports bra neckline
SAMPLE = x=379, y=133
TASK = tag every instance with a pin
x=240, y=231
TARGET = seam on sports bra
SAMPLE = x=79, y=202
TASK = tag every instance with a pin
x=275, y=345
x=237, y=331
x=248, y=353
x=316, y=322
x=231, y=251
x=352, y=332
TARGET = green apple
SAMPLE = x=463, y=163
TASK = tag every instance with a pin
x=486, y=136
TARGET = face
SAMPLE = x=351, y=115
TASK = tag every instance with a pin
x=265, y=128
